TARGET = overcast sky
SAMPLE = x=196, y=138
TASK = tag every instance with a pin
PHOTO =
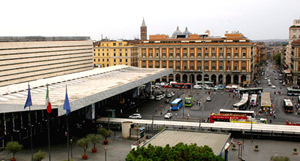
x=121, y=19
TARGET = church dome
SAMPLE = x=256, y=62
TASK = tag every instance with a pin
x=186, y=32
x=177, y=32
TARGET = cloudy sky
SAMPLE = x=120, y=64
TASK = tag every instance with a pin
x=121, y=19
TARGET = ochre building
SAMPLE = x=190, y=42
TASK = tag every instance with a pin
x=110, y=53
x=231, y=55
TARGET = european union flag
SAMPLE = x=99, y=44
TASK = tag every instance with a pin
x=67, y=103
x=28, y=100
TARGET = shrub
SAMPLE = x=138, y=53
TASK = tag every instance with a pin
x=39, y=156
x=105, y=133
x=84, y=144
x=94, y=139
x=13, y=147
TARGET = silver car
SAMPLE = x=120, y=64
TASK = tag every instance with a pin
x=135, y=116
x=168, y=115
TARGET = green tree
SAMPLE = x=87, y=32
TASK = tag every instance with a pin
x=94, y=139
x=84, y=144
x=178, y=152
x=13, y=147
x=277, y=59
x=39, y=156
x=104, y=132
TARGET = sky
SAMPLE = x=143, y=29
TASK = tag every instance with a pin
x=121, y=19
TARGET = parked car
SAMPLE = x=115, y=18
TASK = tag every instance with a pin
x=135, y=116
x=173, y=93
x=275, y=78
x=158, y=97
x=266, y=78
x=280, y=81
x=273, y=86
x=258, y=82
x=197, y=86
x=168, y=115
x=152, y=97
x=208, y=99
x=169, y=95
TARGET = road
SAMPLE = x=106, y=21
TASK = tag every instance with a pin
x=220, y=100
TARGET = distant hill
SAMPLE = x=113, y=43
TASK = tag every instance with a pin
x=272, y=40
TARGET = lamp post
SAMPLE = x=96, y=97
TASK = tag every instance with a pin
x=224, y=60
x=202, y=103
x=71, y=141
x=105, y=149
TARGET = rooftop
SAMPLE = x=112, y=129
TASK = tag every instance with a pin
x=42, y=38
x=215, y=141
x=84, y=88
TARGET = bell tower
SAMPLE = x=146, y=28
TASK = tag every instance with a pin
x=143, y=30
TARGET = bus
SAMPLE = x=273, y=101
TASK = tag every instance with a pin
x=288, y=106
x=257, y=90
x=188, y=101
x=242, y=105
x=182, y=85
x=176, y=104
x=293, y=92
x=266, y=101
x=253, y=100
x=237, y=112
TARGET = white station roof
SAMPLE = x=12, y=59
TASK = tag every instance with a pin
x=84, y=88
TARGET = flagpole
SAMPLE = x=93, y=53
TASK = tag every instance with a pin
x=49, y=150
x=48, y=123
x=30, y=126
x=68, y=144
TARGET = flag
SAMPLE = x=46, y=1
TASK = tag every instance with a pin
x=67, y=103
x=28, y=100
x=48, y=103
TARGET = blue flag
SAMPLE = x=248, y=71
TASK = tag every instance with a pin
x=28, y=100
x=67, y=103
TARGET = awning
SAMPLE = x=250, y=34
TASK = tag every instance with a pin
x=287, y=71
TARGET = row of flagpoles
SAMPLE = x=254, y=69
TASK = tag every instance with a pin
x=66, y=107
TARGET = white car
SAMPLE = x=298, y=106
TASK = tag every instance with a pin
x=158, y=97
x=273, y=86
x=197, y=86
x=173, y=93
x=208, y=99
x=135, y=116
x=169, y=95
x=152, y=97
x=168, y=115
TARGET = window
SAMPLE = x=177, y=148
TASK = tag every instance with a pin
x=114, y=49
x=94, y=59
x=98, y=60
x=199, y=67
x=171, y=61
x=192, y=67
x=150, y=54
x=120, y=60
x=185, y=68
x=120, y=54
x=164, y=54
x=228, y=54
x=94, y=54
x=236, y=54
x=107, y=60
x=178, y=67
x=221, y=54
x=120, y=44
x=171, y=54
x=177, y=54
x=102, y=59
x=213, y=61
x=150, y=66
x=235, y=67
x=98, y=54
x=144, y=54
x=243, y=62
x=184, y=54
x=206, y=54
x=221, y=67
x=192, y=54
x=213, y=67
x=244, y=54
x=126, y=54
x=114, y=54
x=157, y=54
x=206, y=67
x=107, y=54
x=243, y=67
x=114, y=60
x=171, y=65
x=102, y=54
x=213, y=54
x=114, y=44
x=192, y=62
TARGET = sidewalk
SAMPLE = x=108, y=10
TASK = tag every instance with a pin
x=117, y=150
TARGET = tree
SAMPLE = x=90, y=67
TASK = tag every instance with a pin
x=178, y=152
x=13, y=147
x=105, y=133
x=39, y=156
x=277, y=59
x=84, y=144
x=94, y=139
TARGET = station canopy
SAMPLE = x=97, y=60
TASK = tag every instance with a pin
x=84, y=88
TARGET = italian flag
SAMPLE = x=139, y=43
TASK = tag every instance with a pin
x=48, y=103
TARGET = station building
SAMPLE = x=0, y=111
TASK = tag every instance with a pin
x=24, y=59
x=92, y=94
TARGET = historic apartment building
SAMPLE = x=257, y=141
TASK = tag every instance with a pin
x=23, y=59
x=185, y=53
x=295, y=62
x=111, y=52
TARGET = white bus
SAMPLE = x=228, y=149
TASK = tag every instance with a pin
x=242, y=105
x=253, y=100
x=237, y=112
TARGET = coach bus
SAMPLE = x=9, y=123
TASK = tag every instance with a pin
x=188, y=101
x=182, y=85
x=288, y=105
x=257, y=90
x=253, y=100
x=293, y=92
x=242, y=105
x=176, y=104
x=266, y=101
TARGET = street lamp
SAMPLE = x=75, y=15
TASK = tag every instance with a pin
x=105, y=149
x=224, y=60
x=203, y=35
